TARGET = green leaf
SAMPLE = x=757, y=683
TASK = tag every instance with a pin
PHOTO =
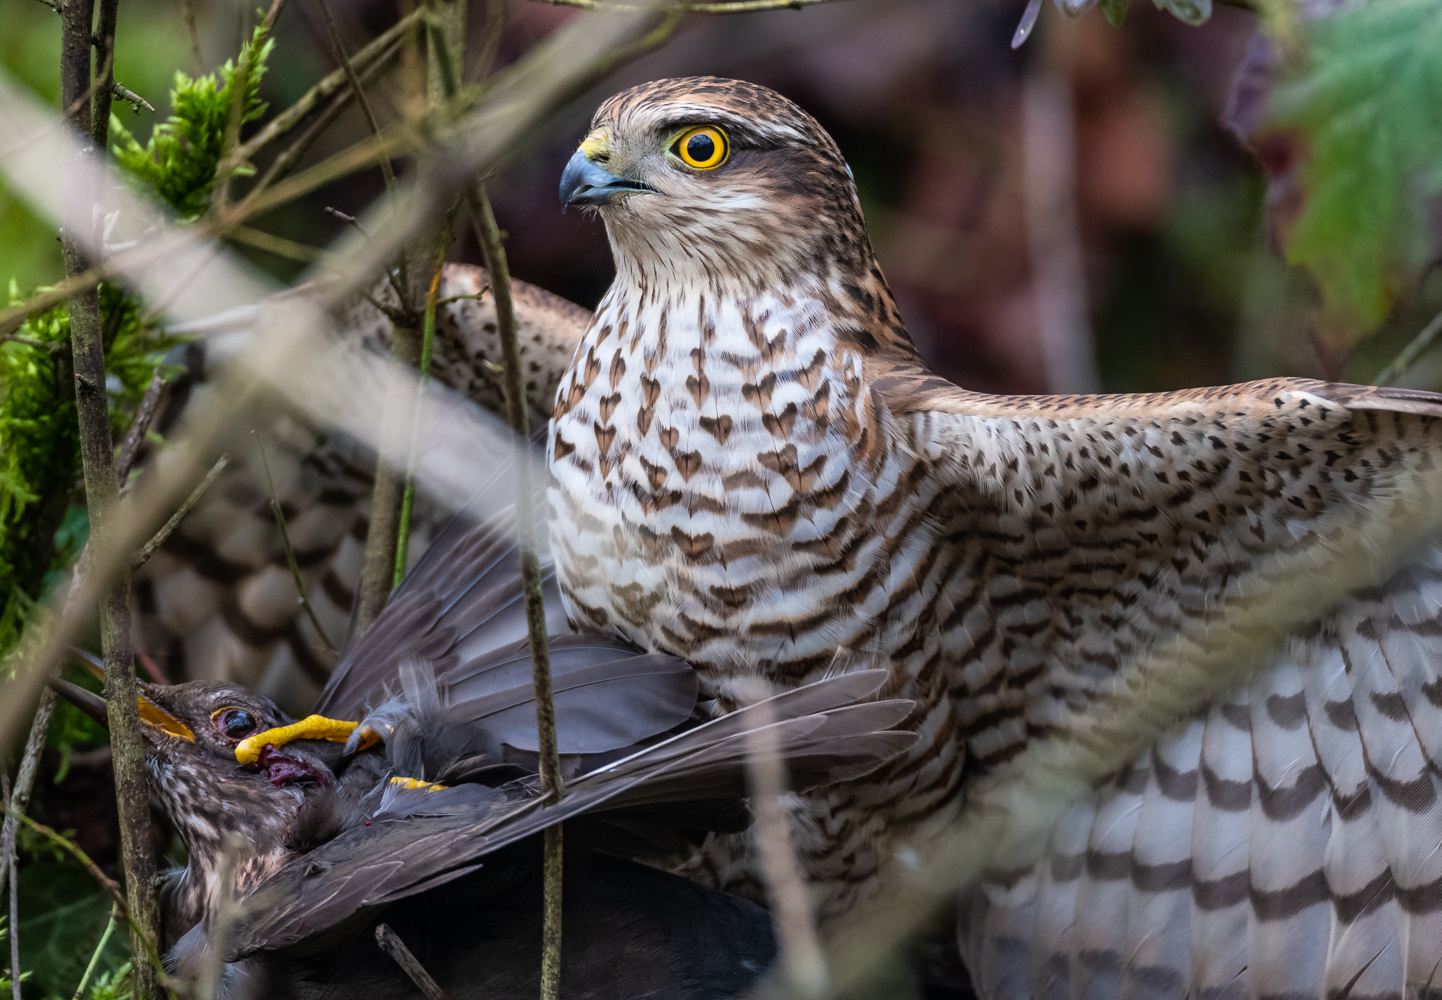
x=1115, y=12
x=62, y=916
x=1369, y=106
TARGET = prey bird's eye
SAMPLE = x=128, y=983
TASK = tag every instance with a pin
x=702, y=148
x=234, y=723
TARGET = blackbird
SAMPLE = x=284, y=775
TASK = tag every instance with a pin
x=412, y=797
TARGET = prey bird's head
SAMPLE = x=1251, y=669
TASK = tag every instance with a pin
x=717, y=181
x=214, y=765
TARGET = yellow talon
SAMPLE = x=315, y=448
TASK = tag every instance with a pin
x=314, y=727
x=429, y=786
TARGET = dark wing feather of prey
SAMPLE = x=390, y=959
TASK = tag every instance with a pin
x=819, y=730
x=461, y=610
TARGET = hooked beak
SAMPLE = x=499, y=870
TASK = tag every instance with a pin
x=587, y=183
x=154, y=719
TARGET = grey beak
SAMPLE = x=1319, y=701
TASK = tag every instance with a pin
x=88, y=702
x=587, y=183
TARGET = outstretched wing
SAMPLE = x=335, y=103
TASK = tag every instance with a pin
x=1282, y=839
x=461, y=610
x=820, y=730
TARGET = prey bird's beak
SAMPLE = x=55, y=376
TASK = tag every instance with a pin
x=152, y=716
x=586, y=182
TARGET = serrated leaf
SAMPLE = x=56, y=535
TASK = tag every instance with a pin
x=1115, y=11
x=1370, y=109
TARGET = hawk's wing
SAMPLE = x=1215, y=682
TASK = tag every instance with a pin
x=1286, y=837
x=820, y=730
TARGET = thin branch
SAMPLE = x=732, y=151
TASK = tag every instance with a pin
x=222, y=920
x=1411, y=352
x=158, y=539
x=488, y=235
x=378, y=50
x=278, y=245
x=95, y=955
x=13, y=868
x=17, y=799
x=144, y=414
x=187, y=14
x=135, y=100
x=104, y=82
x=102, y=492
x=337, y=47
x=392, y=945
x=290, y=559
x=408, y=498
x=801, y=964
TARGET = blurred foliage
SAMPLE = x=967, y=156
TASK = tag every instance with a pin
x=179, y=163
x=1369, y=105
x=40, y=445
x=63, y=914
x=39, y=456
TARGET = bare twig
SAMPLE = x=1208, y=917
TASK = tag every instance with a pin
x=102, y=492
x=1411, y=352
x=488, y=235
x=222, y=919
x=278, y=245
x=392, y=945
x=12, y=318
x=187, y=14
x=337, y=47
x=801, y=964
x=379, y=50
x=130, y=96
x=290, y=559
x=104, y=82
x=9, y=861
x=158, y=539
x=408, y=498
x=18, y=798
x=139, y=425
x=95, y=955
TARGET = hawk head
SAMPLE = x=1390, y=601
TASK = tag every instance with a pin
x=717, y=181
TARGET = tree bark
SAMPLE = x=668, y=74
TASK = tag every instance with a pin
x=101, y=492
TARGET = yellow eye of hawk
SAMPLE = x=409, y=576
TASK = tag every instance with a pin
x=703, y=148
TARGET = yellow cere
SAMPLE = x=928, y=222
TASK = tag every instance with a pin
x=429, y=786
x=702, y=148
x=314, y=727
x=596, y=145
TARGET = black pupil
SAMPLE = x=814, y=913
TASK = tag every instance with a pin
x=701, y=147
x=237, y=723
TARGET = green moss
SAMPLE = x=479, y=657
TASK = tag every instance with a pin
x=180, y=161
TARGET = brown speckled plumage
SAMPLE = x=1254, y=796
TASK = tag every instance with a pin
x=752, y=468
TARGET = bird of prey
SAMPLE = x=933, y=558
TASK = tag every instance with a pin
x=414, y=799
x=752, y=469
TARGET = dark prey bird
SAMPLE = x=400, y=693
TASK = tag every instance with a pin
x=412, y=798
